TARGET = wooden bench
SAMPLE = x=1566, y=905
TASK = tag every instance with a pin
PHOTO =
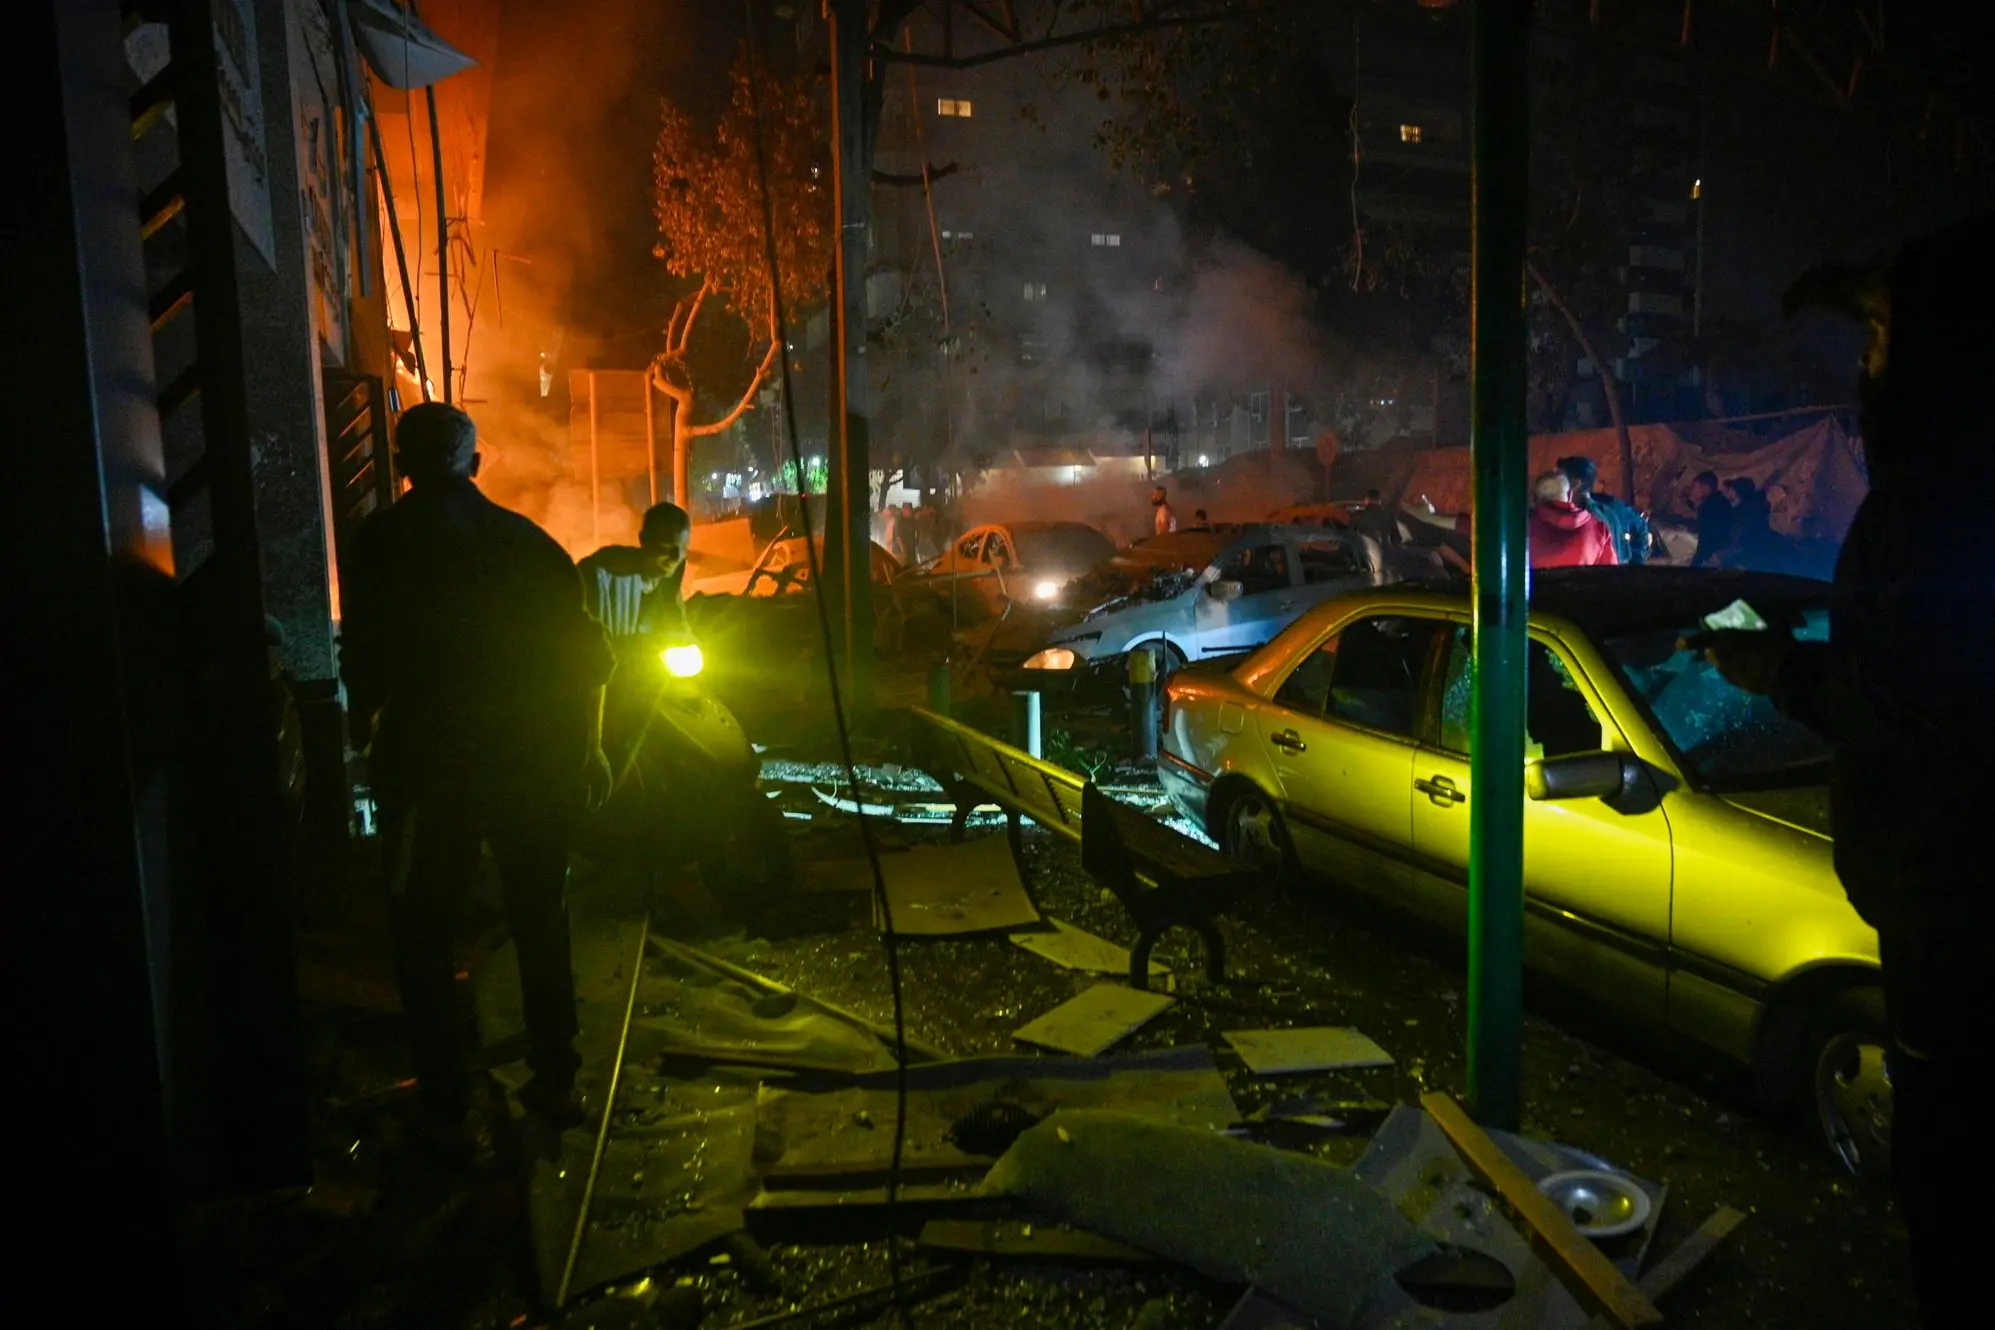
x=1164, y=879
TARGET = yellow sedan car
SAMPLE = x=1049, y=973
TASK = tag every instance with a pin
x=1676, y=843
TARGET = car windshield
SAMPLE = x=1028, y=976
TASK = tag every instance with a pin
x=1074, y=547
x=1728, y=739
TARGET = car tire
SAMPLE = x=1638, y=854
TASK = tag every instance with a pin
x=1250, y=828
x=1845, y=1091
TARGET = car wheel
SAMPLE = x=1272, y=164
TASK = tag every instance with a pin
x=1254, y=833
x=1848, y=1095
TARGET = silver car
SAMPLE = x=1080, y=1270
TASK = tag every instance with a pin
x=1196, y=595
x=1677, y=862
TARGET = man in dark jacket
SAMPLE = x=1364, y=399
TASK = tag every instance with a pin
x=1714, y=521
x=1754, y=544
x=474, y=677
x=1902, y=689
x=1629, y=527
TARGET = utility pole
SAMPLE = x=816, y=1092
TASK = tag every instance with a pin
x=848, y=547
x=1500, y=144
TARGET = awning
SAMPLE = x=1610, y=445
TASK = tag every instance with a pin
x=400, y=49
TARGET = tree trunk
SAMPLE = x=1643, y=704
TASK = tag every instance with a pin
x=1610, y=385
x=682, y=459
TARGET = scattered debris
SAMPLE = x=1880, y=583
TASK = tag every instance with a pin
x=1314, y=1048
x=1311, y=1234
x=941, y=890
x=1077, y=949
x=1692, y=1252
x=1258, y=1311
x=1033, y=1242
x=1095, y=1020
x=812, y=1153
x=1580, y=1265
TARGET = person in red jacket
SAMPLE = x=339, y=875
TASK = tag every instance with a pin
x=1563, y=534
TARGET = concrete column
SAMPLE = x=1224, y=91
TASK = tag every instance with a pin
x=281, y=368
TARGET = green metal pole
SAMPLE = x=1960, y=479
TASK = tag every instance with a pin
x=1499, y=452
x=849, y=501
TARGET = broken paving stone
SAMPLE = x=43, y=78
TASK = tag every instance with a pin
x=942, y=890
x=1095, y=1021
x=1311, y=1048
x=1315, y=1235
x=1077, y=949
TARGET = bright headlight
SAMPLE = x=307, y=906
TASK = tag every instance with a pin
x=1052, y=658
x=1046, y=590
x=682, y=662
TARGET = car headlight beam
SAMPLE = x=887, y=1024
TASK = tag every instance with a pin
x=682, y=662
x=1051, y=658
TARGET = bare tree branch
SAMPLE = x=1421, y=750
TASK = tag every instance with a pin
x=1108, y=32
x=747, y=395
x=1610, y=384
x=892, y=180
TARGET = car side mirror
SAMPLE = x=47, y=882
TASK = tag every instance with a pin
x=1581, y=776
x=1224, y=590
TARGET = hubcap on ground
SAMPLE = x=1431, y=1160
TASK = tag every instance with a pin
x=1256, y=835
x=1853, y=1101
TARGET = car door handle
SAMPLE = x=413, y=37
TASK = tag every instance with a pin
x=1441, y=790
x=1288, y=741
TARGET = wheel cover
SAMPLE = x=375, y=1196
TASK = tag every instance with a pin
x=1853, y=1101
x=1255, y=834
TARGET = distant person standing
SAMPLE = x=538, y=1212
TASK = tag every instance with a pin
x=1372, y=518
x=1166, y=520
x=1753, y=543
x=1199, y=521
x=1629, y=526
x=905, y=544
x=924, y=541
x=1714, y=520
x=1563, y=534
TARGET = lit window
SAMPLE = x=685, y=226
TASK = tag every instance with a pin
x=953, y=106
x=1105, y=240
x=1409, y=133
x=1035, y=291
x=959, y=235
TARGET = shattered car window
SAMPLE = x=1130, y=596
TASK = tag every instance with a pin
x=1729, y=739
x=1329, y=560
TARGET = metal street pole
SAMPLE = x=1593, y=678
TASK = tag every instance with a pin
x=848, y=551
x=442, y=241
x=1499, y=453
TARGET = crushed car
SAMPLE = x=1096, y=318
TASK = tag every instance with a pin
x=1196, y=596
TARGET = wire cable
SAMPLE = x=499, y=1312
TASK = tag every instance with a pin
x=889, y=941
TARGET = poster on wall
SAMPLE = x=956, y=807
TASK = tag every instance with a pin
x=323, y=196
x=241, y=87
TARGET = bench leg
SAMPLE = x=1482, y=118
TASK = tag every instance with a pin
x=1215, y=951
x=1014, y=835
x=1139, y=962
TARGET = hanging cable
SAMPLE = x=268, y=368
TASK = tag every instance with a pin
x=890, y=942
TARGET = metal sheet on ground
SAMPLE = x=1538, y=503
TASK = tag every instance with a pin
x=1312, y=1048
x=689, y=1007
x=1412, y=1162
x=1025, y=1241
x=1260, y=1311
x=1074, y=948
x=849, y=1129
x=945, y=890
x=676, y=1175
x=1094, y=1021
